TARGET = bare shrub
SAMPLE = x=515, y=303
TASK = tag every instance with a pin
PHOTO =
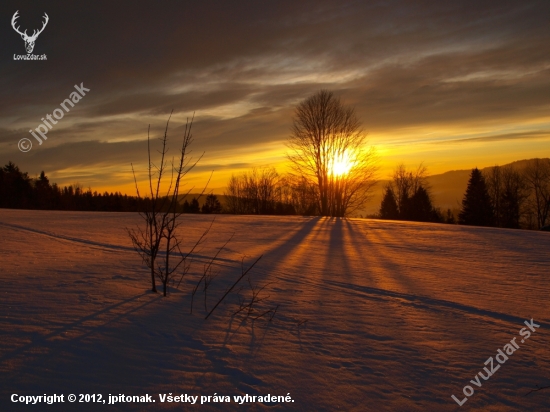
x=159, y=242
x=162, y=211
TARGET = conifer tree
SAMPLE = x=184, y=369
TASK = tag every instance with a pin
x=420, y=206
x=194, y=207
x=477, y=209
x=212, y=204
x=388, y=207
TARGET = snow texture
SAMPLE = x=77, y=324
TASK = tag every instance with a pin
x=373, y=315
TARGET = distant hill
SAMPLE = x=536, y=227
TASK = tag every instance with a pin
x=447, y=188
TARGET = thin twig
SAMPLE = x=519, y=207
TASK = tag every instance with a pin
x=538, y=389
x=231, y=288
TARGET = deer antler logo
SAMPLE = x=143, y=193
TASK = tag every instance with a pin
x=29, y=40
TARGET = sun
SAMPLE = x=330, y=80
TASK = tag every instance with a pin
x=342, y=164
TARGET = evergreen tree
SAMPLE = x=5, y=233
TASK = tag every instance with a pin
x=194, y=206
x=43, y=192
x=420, y=207
x=16, y=188
x=388, y=207
x=212, y=204
x=477, y=209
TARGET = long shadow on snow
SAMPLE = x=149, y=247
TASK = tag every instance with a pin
x=282, y=251
x=431, y=303
x=42, y=341
x=104, y=246
x=120, y=367
x=375, y=252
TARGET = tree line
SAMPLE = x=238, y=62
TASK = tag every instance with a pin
x=509, y=197
x=407, y=197
x=20, y=191
x=263, y=191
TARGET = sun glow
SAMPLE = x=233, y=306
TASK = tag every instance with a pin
x=342, y=164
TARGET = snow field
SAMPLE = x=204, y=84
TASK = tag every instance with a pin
x=373, y=315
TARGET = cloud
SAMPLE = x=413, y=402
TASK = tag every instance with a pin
x=242, y=66
x=527, y=135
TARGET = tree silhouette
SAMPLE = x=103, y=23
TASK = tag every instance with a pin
x=509, y=191
x=19, y=191
x=161, y=213
x=43, y=192
x=514, y=194
x=419, y=207
x=327, y=148
x=212, y=204
x=388, y=207
x=477, y=209
x=404, y=185
x=16, y=189
x=494, y=187
x=407, y=197
x=194, y=207
x=260, y=191
x=299, y=195
x=537, y=175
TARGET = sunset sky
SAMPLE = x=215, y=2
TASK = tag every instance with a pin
x=454, y=84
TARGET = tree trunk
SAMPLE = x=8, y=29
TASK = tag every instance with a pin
x=154, y=287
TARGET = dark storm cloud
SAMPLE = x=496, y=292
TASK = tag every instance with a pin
x=243, y=65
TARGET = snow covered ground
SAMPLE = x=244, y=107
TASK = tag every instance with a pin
x=373, y=315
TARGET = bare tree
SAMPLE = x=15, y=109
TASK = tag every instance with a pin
x=266, y=182
x=300, y=193
x=406, y=183
x=162, y=210
x=254, y=192
x=264, y=191
x=235, y=196
x=537, y=174
x=514, y=196
x=327, y=147
x=514, y=193
x=494, y=186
